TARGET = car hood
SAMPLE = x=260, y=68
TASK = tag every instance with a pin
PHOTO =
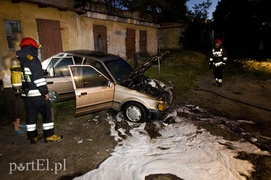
x=142, y=69
x=139, y=82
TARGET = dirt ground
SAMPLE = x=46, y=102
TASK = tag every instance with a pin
x=87, y=143
x=240, y=98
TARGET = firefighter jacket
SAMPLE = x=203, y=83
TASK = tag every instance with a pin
x=218, y=58
x=34, y=83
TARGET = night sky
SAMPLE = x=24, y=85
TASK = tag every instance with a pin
x=191, y=3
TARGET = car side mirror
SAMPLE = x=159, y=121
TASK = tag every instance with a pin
x=110, y=84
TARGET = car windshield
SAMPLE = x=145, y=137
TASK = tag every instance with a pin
x=119, y=69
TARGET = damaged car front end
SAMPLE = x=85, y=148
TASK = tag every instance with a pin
x=152, y=87
x=139, y=82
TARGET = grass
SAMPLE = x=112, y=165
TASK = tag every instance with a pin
x=259, y=69
x=180, y=69
x=255, y=66
x=64, y=110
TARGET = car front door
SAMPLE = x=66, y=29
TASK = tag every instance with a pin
x=93, y=90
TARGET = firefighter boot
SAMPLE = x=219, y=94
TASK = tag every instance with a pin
x=36, y=139
x=220, y=82
x=53, y=138
x=216, y=82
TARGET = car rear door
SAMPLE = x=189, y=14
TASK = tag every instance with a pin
x=93, y=90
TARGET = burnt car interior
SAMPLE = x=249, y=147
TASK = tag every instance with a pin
x=85, y=76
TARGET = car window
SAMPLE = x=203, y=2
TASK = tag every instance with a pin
x=97, y=65
x=59, y=67
x=119, y=68
x=85, y=77
x=77, y=60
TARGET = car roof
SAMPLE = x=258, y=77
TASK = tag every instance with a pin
x=93, y=54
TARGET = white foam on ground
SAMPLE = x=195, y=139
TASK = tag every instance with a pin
x=181, y=150
x=245, y=121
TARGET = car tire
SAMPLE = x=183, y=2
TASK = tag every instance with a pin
x=135, y=112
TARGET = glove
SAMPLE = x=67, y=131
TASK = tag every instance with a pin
x=219, y=64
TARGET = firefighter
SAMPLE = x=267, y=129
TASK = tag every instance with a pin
x=218, y=61
x=35, y=93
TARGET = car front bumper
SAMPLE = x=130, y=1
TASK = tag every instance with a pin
x=156, y=114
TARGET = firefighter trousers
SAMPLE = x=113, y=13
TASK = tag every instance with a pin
x=218, y=74
x=35, y=105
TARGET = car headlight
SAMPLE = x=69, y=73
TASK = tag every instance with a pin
x=161, y=106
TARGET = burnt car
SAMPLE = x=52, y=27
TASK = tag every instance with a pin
x=101, y=81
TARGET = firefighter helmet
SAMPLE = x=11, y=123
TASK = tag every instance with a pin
x=218, y=41
x=29, y=42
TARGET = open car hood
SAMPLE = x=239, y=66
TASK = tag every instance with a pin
x=139, y=82
x=142, y=69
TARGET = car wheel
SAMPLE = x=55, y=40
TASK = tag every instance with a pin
x=135, y=112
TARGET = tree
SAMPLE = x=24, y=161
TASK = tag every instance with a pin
x=160, y=10
x=197, y=35
x=243, y=23
x=82, y=4
x=112, y=6
x=200, y=10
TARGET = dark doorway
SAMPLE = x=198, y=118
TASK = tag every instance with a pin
x=100, y=38
x=49, y=37
x=130, y=43
x=143, y=42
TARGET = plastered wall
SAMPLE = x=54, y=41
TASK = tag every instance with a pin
x=76, y=30
x=171, y=38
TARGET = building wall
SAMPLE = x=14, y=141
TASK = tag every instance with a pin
x=64, y=3
x=170, y=36
x=76, y=30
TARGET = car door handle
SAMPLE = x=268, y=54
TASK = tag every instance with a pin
x=50, y=82
x=84, y=93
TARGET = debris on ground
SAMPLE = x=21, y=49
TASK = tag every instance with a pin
x=95, y=119
x=202, y=115
x=79, y=140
